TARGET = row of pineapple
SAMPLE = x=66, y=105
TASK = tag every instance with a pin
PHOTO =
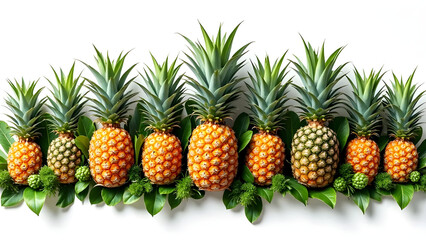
x=213, y=150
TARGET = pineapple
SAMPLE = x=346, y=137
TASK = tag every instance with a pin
x=213, y=150
x=401, y=155
x=364, y=110
x=162, y=151
x=66, y=104
x=315, y=148
x=111, y=150
x=24, y=157
x=266, y=152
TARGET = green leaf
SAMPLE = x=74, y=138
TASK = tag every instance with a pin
x=418, y=133
x=6, y=139
x=95, y=195
x=241, y=124
x=82, y=142
x=3, y=163
x=362, y=199
x=66, y=195
x=47, y=135
x=197, y=194
x=292, y=124
x=265, y=193
x=254, y=210
x=421, y=150
x=244, y=140
x=340, y=125
x=327, y=195
x=135, y=122
x=112, y=196
x=247, y=175
x=166, y=189
x=83, y=194
x=85, y=127
x=34, y=199
x=374, y=194
x=154, y=201
x=298, y=191
x=139, y=140
x=81, y=186
x=129, y=198
x=174, y=202
x=422, y=163
x=403, y=194
x=10, y=198
x=229, y=200
x=184, y=131
x=382, y=142
x=189, y=106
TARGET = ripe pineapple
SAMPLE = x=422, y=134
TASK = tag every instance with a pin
x=66, y=104
x=111, y=150
x=24, y=157
x=162, y=151
x=401, y=155
x=315, y=148
x=266, y=152
x=364, y=111
x=213, y=150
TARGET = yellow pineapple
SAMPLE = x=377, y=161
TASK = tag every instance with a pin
x=24, y=157
x=162, y=151
x=266, y=153
x=111, y=151
x=213, y=150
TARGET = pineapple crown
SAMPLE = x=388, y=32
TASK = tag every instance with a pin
x=215, y=70
x=112, y=99
x=267, y=94
x=163, y=105
x=319, y=96
x=366, y=104
x=66, y=102
x=403, y=112
x=26, y=109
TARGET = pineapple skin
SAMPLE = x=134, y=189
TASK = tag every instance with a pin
x=314, y=155
x=265, y=157
x=110, y=156
x=63, y=157
x=162, y=158
x=212, y=156
x=23, y=160
x=401, y=158
x=364, y=156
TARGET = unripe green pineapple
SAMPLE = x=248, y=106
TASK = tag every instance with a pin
x=315, y=148
x=66, y=104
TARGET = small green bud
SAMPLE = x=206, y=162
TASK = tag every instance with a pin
x=340, y=184
x=83, y=173
x=359, y=181
x=34, y=181
x=415, y=176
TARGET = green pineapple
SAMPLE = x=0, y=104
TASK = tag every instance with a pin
x=66, y=104
x=315, y=148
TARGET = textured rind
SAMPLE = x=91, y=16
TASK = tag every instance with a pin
x=265, y=157
x=314, y=155
x=162, y=158
x=110, y=156
x=364, y=156
x=400, y=160
x=63, y=157
x=24, y=159
x=212, y=156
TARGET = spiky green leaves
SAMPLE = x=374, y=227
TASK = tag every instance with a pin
x=365, y=106
x=402, y=106
x=66, y=101
x=319, y=97
x=112, y=97
x=26, y=108
x=267, y=94
x=164, y=91
x=215, y=75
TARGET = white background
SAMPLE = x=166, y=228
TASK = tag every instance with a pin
x=36, y=34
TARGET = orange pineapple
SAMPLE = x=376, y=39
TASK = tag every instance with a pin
x=213, y=150
x=162, y=151
x=24, y=157
x=401, y=155
x=364, y=111
x=111, y=150
x=266, y=152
